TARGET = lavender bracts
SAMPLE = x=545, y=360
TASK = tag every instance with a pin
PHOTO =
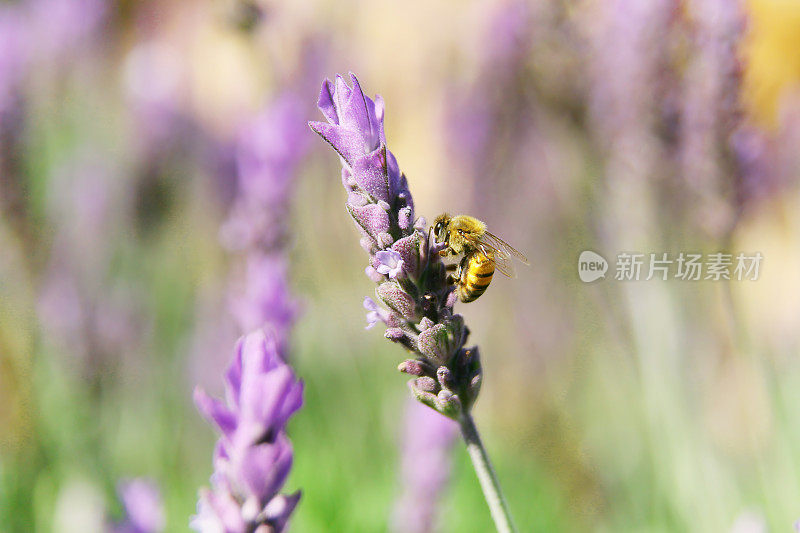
x=411, y=278
x=253, y=456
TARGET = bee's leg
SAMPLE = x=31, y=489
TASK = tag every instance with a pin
x=447, y=250
x=456, y=279
x=453, y=267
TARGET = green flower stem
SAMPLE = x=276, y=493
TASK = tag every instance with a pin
x=486, y=476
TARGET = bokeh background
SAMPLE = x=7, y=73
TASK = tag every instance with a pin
x=610, y=125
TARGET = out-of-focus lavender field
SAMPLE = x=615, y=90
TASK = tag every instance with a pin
x=161, y=195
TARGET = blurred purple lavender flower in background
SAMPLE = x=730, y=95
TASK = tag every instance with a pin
x=253, y=455
x=767, y=162
x=674, y=107
x=260, y=168
x=510, y=125
x=79, y=312
x=14, y=55
x=264, y=298
x=268, y=153
x=63, y=27
x=154, y=82
x=712, y=114
x=14, y=60
x=630, y=39
x=144, y=510
x=425, y=469
x=410, y=275
x=477, y=117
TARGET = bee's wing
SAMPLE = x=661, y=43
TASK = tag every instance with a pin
x=500, y=245
x=502, y=262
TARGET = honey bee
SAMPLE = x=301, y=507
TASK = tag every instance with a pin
x=483, y=253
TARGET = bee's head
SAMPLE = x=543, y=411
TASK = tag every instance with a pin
x=440, y=226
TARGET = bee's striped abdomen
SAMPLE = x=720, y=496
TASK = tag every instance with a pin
x=476, y=274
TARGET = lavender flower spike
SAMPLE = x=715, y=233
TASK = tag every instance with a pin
x=411, y=279
x=408, y=270
x=253, y=456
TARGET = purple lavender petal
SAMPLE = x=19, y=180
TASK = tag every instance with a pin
x=62, y=26
x=215, y=412
x=280, y=508
x=368, y=172
x=264, y=469
x=326, y=103
x=408, y=250
x=347, y=143
x=269, y=148
x=14, y=55
x=376, y=313
x=372, y=219
x=390, y=263
x=263, y=297
x=218, y=512
x=261, y=405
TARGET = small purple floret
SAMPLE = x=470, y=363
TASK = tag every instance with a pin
x=376, y=314
x=389, y=263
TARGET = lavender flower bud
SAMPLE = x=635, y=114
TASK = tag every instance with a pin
x=371, y=219
x=426, y=397
x=369, y=176
x=393, y=295
x=425, y=383
x=444, y=377
x=425, y=323
x=394, y=334
x=448, y=403
x=373, y=274
x=405, y=217
x=408, y=250
x=440, y=341
x=411, y=366
x=385, y=239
